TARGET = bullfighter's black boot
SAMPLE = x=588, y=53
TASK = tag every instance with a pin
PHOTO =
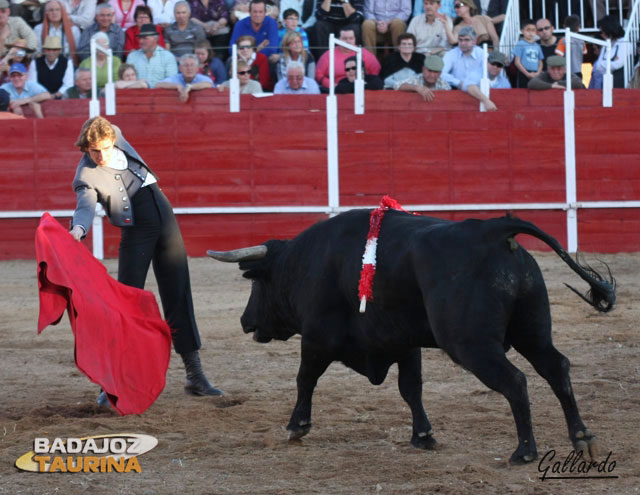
x=196, y=382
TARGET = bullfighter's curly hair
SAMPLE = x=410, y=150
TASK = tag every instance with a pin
x=94, y=130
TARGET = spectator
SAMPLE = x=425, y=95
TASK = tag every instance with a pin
x=429, y=81
x=403, y=63
x=123, y=12
x=128, y=78
x=213, y=17
x=433, y=30
x=162, y=11
x=290, y=25
x=4, y=100
x=497, y=80
x=247, y=85
x=152, y=62
x=57, y=23
x=210, y=65
x=142, y=16
x=496, y=11
x=81, y=88
x=13, y=28
x=481, y=24
x=257, y=62
x=610, y=29
x=104, y=24
x=188, y=79
x=306, y=10
x=102, y=69
x=578, y=47
x=296, y=83
x=23, y=92
x=239, y=10
x=18, y=53
x=332, y=16
x=347, y=34
x=601, y=7
x=54, y=71
x=384, y=21
x=181, y=36
x=263, y=29
x=446, y=8
x=463, y=60
x=82, y=13
x=546, y=39
x=293, y=51
x=347, y=84
x=555, y=76
x=635, y=80
x=528, y=55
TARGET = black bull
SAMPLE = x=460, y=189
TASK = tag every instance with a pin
x=465, y=287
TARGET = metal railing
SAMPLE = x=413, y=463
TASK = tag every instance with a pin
x=631, y=36
x=109, y=89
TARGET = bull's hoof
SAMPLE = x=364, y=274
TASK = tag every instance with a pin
x=424, y=441
x=298, y=431
x=586, y=443
x=523, y=455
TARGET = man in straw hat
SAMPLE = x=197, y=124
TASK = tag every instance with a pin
x=53, y=70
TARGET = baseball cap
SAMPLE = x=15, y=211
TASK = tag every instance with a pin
x=434, y=63
x=4, y=4
x=556, y=61
x=497, y=57
x=18, y=67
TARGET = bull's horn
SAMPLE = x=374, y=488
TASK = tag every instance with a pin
x=242, y=254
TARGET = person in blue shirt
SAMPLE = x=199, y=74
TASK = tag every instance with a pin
x=290, y=24
x=22, y=92
x=497, y=80
x=263, y=28
x=296, y=83
x=528, y=55
x=463, y=60
x=188, y=79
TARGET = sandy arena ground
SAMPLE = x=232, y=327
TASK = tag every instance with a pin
x=359, y=443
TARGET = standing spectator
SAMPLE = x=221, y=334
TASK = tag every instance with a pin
x=296, y=83
x=497, y=80
x=429, y=81
x=162, y=11
x=18, y=53
x=347, y=84
x=481, y=24
x=124, y=11
x=403, y=63
x=546, y=39
x=213, y=17
x=152, y=62
x=54, y=71
x=462, y=60
x=578, y=47
x=247, y=85
x=128, y=78
x=610, y=29
x=13, y=28
x=528, y=55
x=57, y=23
x=306, y=10
x=210, y=65
x=81, y=12
x=102, y=69
x=335, y=15
x=384, y=21
x=142, y=16
x=188, y=79
x=293, y=51
x=104, y=24
x=23, y=92
x=555, y=76
x=263, y=29
x=347, y=34
x=181, y=36
x=81, y=88
x=257, y=62
x=290, y=24
x=433, y=30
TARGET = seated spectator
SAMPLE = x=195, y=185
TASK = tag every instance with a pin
x=347, y=35
x=152, y=62
x=293, y=51
x=296, y=83
x=429, y=81
x=481, y=24
x=247, y=85
x=213, y=17
x=610, y=29
x=53, y=70
x=578, y=47
x=463, y=60
x=555, y=76
x=547, y=40
x=433, y=30
x=181, y=36
x=102, y=69
x=239, y=10
x=527, y=55
x=188, y=79
x=497, y=80
x=142, y=16
x=57, y=23
x=257, y=62
x=162, y=11
x=104, y=24
x=210, y=65
x=347, y=84
x=4, y=100
x=13, y=28
x=81, y=88
x=18, y=52
x=23, y=92
x=123, y=12
x=128, y=78
x=262, y=28
x=383, y=22
x=446, y=8
x=306, y=10
x=403, y=63
x=82, y=13
x=635, y=79
x=290, y=24
x=333, y=17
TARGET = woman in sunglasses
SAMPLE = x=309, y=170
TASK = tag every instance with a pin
x=258, y=62
x=247, y=85
x=482, y=24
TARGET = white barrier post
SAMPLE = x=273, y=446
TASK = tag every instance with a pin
x=607, y=80
x=98, y=233
x=110, y=91
x=110, y=88
x=234, y=83
x=332, y=134
x=570, y=152
x=485, y=84
x=358, y=104
x=94, y=104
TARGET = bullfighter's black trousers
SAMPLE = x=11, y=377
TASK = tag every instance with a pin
x=155, y=238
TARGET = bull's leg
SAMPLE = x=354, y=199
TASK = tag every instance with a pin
x=491, y=366
x=410, y=385
x=312, y=365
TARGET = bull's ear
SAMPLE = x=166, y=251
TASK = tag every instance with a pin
x=254, y=274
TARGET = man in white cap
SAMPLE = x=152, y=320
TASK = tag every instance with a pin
x=427, y=82
x=23, y=92
x=54, y=71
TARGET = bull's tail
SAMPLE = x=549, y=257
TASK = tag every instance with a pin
x=602, y=292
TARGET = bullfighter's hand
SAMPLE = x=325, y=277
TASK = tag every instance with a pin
x=77, y=232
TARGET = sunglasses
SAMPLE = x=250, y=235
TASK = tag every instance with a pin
x=244, y=47
x=244, y=72
x=458, y=5
x=349, y=69
x=546, y=28
x=497, y=64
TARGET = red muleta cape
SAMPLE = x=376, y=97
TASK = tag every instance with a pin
x=121, y=341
